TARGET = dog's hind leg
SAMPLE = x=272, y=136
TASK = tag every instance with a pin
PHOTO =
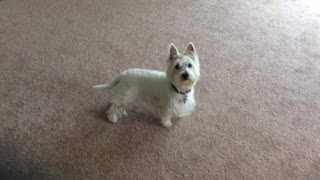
x=116, y=111
x=113, y=114
x=118, y=107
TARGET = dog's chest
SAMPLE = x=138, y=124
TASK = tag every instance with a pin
x=182, y=106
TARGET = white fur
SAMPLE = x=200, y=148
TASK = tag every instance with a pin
x=154, y=87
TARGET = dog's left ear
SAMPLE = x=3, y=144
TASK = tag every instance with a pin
x=173, y=51
x=191, y=49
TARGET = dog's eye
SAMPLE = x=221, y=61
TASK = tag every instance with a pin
x=189, y=65
x=177, y=66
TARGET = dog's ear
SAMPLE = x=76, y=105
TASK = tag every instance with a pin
x=173, y=51
x=191, y=49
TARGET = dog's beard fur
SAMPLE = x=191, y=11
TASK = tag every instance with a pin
x=183, y=72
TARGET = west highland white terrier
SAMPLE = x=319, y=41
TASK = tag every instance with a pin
x=170, y=93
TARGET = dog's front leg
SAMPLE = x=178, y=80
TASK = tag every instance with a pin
x=166, y=120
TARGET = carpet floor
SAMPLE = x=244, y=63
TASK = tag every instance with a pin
x=258, y=100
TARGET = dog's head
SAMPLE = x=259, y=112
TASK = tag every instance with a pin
x=183, y=69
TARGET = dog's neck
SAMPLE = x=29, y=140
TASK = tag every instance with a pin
x=181, y=90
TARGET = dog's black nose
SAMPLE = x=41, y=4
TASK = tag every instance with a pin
x=185, y=75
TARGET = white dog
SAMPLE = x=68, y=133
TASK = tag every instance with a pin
x=171, y=93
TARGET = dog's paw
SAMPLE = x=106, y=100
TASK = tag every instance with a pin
x=112, y=118
x=124, y=114
x=166, y=123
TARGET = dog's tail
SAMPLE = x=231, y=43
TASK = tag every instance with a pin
x=108, y=86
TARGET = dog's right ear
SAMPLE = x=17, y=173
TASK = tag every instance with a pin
x=173, y=51
x=190, y=48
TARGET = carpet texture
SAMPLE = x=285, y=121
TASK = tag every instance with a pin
x=257, y=117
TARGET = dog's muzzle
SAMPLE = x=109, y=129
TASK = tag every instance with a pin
x=185, y=76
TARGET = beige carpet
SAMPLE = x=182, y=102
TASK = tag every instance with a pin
x=258, y=114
